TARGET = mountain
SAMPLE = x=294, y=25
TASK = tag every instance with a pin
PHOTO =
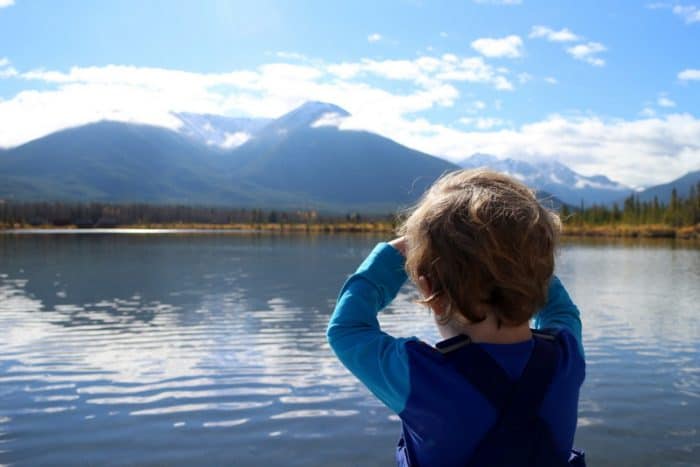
x=663, y=192
x=294, y=161
x=217, y=130
x=277, y=131
x=111, y=161
x=288, y=163
x=351, y=168
x=304, y=117
x=230, y=132
x=325, y=167
x=356, y=169
x=555, y=178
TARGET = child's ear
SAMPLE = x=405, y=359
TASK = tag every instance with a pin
x=426, y=289
x=424, y=286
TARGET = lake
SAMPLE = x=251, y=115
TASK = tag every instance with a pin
x=209, y=349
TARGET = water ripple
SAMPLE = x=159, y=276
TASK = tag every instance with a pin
x=171, y=409
x=313, y=413
x=179, y=349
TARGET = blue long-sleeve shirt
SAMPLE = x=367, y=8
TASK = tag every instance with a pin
x=443, y=415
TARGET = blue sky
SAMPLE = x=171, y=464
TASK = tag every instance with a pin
x=604, y=86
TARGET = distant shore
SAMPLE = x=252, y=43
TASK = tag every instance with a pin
x=633, y=231
x=611, y=231
x=362, y=227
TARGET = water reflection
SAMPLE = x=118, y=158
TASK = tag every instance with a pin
x=640, y=303
x=195, y=349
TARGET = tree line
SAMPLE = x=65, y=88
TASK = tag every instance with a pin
x=679, y=212
x=65, y=214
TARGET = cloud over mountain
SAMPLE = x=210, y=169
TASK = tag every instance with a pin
x=392, y=97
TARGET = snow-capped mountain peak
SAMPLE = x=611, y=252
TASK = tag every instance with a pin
x=230, y=132
x=555, y=178
x=218, y=130
x=309, y=114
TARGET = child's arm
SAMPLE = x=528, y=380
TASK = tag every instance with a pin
x=559, y=311
x=374, y=357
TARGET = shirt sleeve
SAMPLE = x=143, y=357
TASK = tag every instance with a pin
x=559, y=311
x=377, y=359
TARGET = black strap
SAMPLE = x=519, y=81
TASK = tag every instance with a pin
x=531, y=387
x=519, y=437
x=492, y=381
x=483, y=372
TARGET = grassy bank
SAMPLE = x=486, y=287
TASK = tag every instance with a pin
x=633, y=231
x=366, y=227
x=614, y=231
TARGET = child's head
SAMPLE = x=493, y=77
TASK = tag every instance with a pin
x=485, y=245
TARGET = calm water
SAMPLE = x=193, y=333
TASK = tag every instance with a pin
x=210, y=349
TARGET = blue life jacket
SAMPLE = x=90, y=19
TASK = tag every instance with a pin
x=519, y=438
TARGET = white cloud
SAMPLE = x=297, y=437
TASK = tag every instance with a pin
x=443, y=34
x=4, y=61
x=636, y=152
x=509, y=46
x=563, y=35
x=647, y=112
x=6, y=3
x=551, y=80
x=329, y=119
x=689, y=13
x=82, y=95
x=426, y=70
x=233, y=140
x=375, y=37
x=588, y=53
x=689, y=75
x=664, y=101
x=486, y=123
x=31, y=114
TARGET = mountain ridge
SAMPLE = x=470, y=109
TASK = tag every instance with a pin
x=663, y=191
x=554, y=177
x=289, y=162
x=120, y=162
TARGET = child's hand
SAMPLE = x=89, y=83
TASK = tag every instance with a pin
x=399, y=244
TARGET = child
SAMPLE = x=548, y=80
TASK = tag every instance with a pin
x=480, y=248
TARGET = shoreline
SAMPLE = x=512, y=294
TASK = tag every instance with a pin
x=362, y=227
x=602, y=231
x=691, y=232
